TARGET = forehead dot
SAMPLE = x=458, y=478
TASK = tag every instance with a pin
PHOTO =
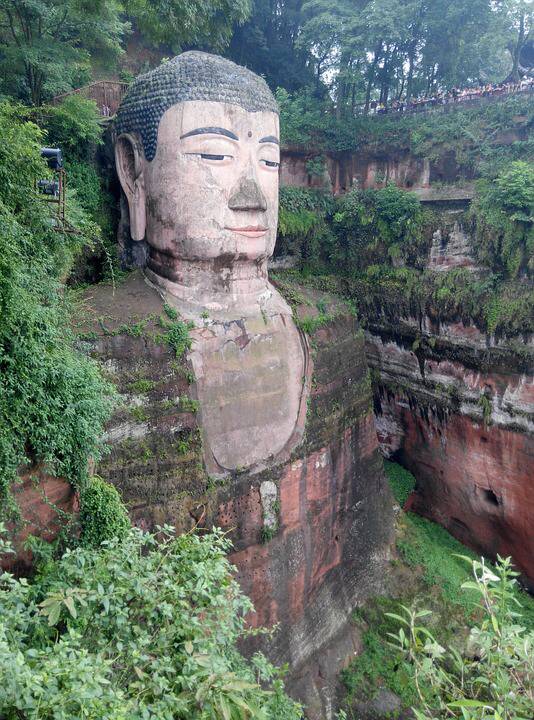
x=250, y=133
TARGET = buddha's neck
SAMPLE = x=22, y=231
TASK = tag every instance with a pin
x=222, y=287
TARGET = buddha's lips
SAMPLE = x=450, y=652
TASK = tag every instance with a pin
x=251, y=231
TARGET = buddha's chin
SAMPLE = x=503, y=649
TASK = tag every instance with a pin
x=250, y=247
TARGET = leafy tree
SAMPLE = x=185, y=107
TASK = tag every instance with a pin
x=73, y=125
x=143, y=628
x=303, y=118
x=391, y=49
x=517, y=20
x=268, y=44
x=187, y=23
x=46, y=44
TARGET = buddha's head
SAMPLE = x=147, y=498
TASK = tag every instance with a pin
x=197, y=153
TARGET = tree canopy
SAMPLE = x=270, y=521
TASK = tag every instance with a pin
x=352, y=51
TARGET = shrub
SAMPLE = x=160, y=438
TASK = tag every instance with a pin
x=303, y=228
x=492, y=678
x=303, y=118
x=379, y=226
x=102, y=513
x=142, y=629
x=178, y=337
x=504, y=211
x=73, y=125
x=401, y=481
x=53, y=402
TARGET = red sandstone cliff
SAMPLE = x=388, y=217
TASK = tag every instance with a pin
x=456, y=407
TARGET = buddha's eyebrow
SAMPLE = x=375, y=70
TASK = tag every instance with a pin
x=210, y=131
x=270, y=139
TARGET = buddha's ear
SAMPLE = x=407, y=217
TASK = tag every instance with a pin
x=130, y=161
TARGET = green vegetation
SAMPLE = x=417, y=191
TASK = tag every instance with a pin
x=177, y=23
x=53, y=402
x=170, y=312
x=303, y=226
x=139, y=414
x=494, y=305
x=268, y=532
x=492, y=678
x=431, y=566
x=188, y=405
x=373, y=246
x=310, y=325
x=47, y=46
x=401, y=482
x=103, y=516
x=74, y=125
x=177, y=337
x=504, y=210
x=144, y=627
x=378, y=226
x=50, y=47
x=344, y=54
x=471, y=134
x=142, y=386
x=425, y=545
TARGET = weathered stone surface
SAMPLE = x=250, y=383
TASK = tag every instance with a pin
x=460, y=416
x=327, y=507
x=269, y=503
x=206, y=200
x=451, y=246
x=191, y=76
x=385, y=705
x=43, y=500
x=252, y=381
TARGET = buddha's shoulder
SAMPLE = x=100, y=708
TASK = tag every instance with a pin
x=125, y=302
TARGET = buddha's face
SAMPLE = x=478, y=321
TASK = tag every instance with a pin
x=211, y=190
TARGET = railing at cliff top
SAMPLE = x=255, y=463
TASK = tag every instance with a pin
x=447, y=104
x=106, y=93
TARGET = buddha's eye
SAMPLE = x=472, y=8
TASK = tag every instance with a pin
x=211, y=157
x=270, y=163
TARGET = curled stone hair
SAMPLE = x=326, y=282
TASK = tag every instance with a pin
x=189, y=76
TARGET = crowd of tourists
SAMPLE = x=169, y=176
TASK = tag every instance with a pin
x=453, y=96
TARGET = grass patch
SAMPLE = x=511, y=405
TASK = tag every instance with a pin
x=142, y=386
x=401, y=481
x=424, y=544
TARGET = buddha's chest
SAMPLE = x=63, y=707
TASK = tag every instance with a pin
x=250, y=384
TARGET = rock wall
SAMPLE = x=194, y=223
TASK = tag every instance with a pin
x=312, y=534
x=456, y=407
x=374, y=165
x=42, y=500
x=370, y=170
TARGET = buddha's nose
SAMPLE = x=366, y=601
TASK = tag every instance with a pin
x=247, y=195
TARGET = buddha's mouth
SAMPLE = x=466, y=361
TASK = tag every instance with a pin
x=250, y=231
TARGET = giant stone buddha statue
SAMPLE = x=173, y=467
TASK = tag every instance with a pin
x=197, y=153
